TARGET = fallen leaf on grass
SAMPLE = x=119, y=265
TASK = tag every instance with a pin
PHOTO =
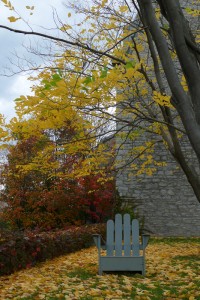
x=173, y=273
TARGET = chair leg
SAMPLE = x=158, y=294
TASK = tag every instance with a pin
x=143, y=271
x=100, y=271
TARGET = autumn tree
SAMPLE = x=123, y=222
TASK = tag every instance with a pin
x=41, y=185
x=146, y=51
x=22, y=191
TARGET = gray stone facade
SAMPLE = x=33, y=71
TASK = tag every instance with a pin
x=165, y=199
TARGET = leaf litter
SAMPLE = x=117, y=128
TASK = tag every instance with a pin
x=172, y=272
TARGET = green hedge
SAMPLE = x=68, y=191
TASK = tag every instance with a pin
x=19, y=250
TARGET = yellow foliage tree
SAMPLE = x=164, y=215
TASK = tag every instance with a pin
x=119, y=67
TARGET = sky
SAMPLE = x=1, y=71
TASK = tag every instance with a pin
x=11, y=43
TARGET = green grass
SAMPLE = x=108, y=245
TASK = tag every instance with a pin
x=80, y=273
x=174, y=240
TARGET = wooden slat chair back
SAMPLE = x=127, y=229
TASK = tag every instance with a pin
x=122, y=246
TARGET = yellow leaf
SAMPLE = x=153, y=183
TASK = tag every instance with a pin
x=104, y=2
x=8, y=4
x=13, y=19
x=123, y=8
x=162, y=100
x=65, y=27
x=30, y=7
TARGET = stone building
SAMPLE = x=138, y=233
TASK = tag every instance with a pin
x=165, y=200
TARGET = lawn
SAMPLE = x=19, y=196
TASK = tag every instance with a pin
x=173, y=272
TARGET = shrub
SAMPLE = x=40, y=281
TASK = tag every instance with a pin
x=51, y=198
x=20, y=250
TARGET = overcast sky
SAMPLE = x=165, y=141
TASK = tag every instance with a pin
x=13, y=87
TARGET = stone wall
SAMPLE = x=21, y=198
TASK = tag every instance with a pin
x=165, y=199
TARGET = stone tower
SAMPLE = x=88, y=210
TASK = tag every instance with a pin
x=165, y=200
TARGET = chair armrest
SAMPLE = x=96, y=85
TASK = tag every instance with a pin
x=145, y=240
x=99, y=241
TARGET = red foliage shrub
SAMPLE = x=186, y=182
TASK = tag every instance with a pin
x=37, y=199
x=20, y=250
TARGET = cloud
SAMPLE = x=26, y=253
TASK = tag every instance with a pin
x=11, y=43
x=20, y=86
x=7, y=108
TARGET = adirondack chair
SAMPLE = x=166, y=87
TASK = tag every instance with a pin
x=122, y=246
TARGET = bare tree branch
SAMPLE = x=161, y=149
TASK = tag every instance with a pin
x=77, y=44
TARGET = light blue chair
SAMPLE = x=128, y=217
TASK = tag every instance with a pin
x=122, y=246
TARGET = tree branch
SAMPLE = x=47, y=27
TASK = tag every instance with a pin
x=77, y=44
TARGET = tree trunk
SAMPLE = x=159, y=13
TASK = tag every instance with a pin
x=181, y=99
x=185, y=104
